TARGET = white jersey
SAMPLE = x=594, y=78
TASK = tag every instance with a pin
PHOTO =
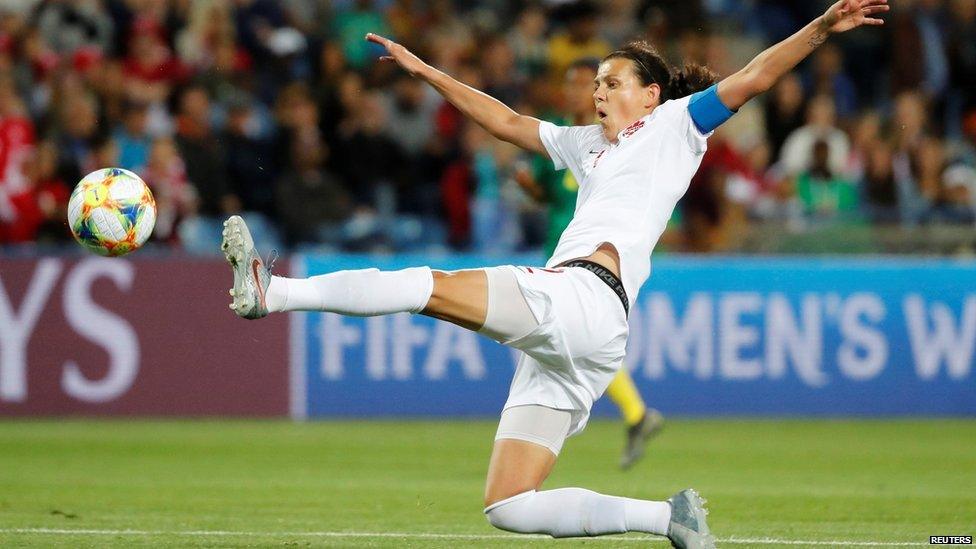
x=628, y=189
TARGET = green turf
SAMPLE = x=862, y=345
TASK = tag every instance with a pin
x=263, y=482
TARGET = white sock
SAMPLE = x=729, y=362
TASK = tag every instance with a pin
x=366, y=292
x=568, y=512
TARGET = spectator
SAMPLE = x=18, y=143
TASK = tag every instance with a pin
x=254, y=22
x=150, y=70
x=35, y=211
x=957, y=197
x=879, y=191
x=37, y=66
x=251, y=167
x=500, y=77
x=962, y=61
x=80, y=131
x=373, y=160
x=492, y=216
x=332, y=71
x=71, y=26
x=408, y=19
x=104, y=154
x=208, y=47
x=351, y=25
x=176, y=198
x=679, y=16
x=910, y=121
x=16, y=138
x=105, y=78
x=619, y=22
x=769, y=194
x=411, y=107
x=918, y=49
x=528, y=42
x=210, y=24
x=825, y=195
x=133, y=137
x=449, y=41
x=919, y=180
x=867, y=132
x=709, y=212
x=311, y=201
x=917, y=165
x=797, y=154
x=204, y=155
x=578, y=40
x=827, y=77
x=784, y=109
x=411, y=110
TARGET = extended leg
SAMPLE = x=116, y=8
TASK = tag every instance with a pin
x=460, y=297
x=528, y=441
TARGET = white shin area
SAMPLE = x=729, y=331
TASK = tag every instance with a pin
x=569, y=512
x=365, y=292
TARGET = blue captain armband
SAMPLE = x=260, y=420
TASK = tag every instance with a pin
x=707, y=110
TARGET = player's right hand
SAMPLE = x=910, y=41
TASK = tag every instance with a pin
x=849, y=14
x=407, y=60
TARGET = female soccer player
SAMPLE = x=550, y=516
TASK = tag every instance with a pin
x=557, y=189
x=569, y=319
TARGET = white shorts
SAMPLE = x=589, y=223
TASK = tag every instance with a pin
x=570, y=357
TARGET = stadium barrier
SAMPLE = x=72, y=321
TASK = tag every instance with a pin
x=142, y=336
x=709, y=336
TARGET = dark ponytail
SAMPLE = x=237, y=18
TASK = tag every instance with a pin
x=692, y=78
x=651, y=68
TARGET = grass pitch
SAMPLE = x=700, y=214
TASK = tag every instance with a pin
x=419, y=484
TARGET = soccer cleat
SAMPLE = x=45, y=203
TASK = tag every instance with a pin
x=687, y=529
x=638, y=435
x=251, y=277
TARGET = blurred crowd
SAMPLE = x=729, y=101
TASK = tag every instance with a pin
x=282, y=111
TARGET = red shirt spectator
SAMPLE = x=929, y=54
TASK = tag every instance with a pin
x=16, y=143
x=41, y=201
x=150, y=68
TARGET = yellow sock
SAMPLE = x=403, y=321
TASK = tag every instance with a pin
x=624, y=394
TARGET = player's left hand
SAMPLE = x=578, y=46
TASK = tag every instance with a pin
x=849, y=14
x=404, y=57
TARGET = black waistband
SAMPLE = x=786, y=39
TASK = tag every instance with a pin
x=606, y=275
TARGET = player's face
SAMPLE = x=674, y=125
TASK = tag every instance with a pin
x=578, y=90
x=619, y=97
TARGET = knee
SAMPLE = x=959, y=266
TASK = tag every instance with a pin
x=496, y=493
x=508, y=514
x=496, y=518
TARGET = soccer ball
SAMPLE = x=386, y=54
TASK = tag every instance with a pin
x=111, y=212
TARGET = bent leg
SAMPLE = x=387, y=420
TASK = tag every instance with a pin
x=526, y=448
x=527, y=444
x=516, y=466
x=571, y=512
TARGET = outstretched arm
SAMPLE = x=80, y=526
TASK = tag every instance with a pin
x=769, y=66
x=490, y=113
